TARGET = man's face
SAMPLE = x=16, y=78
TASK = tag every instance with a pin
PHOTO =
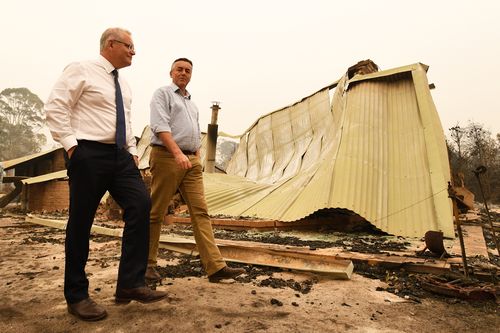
x=181, y=73
x=122, y=50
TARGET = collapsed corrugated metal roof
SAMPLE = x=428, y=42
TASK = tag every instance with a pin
x=378, y=150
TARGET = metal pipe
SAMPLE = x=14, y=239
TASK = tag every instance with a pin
x=212, y=139
x=215, y=112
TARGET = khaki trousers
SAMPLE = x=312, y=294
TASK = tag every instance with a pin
x=166, y=178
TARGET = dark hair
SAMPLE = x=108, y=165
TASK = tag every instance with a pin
x=182, y=59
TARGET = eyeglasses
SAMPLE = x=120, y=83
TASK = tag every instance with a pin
x=129, y=46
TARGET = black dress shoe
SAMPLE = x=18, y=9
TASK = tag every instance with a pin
x=226, y=273
x=87, y=310
x=141, y=294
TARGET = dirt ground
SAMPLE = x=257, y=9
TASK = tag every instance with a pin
x=264, y=300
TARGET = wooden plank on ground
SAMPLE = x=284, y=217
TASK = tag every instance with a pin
x=244, y=252
x=286, y=257
x=335, y=262
x=474, y=242
x=61, y=224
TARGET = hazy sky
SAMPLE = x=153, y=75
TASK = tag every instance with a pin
x=258, y=56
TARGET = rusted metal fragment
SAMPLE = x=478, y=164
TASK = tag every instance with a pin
x=362, y=67
x=459, y=289
x=434, y=243
x=465, y=199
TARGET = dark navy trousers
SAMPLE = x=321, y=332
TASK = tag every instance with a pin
x=93, y=169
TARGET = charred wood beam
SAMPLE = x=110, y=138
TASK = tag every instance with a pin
x=18, y=187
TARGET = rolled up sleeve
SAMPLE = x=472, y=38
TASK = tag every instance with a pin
x=160, y=112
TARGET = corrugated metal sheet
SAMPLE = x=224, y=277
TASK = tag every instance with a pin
x=144, y=149
x=378, y=151
x=14, y=162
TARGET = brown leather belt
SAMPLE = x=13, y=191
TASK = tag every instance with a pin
x=185, y=152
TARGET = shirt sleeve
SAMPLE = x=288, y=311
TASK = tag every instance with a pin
x=65, y=93
x=160, y=112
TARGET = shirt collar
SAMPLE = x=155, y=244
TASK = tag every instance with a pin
x=178, y=90
x=104, y=63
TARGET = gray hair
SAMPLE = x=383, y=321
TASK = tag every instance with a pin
x=112, y=33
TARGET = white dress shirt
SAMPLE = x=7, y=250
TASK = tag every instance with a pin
x=82, y=105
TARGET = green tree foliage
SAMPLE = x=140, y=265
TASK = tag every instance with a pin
x=21, y=120
x=470, y=147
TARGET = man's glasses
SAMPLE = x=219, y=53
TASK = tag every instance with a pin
x=129, y=46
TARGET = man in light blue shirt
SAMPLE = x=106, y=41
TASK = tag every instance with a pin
x=175, y=165
x=177, y=114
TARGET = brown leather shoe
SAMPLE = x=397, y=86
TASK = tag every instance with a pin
x=152, y=275
x=225, y=273
x=87, y=310
x=141, y=294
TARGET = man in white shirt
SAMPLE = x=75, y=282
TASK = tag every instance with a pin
x=88, y=112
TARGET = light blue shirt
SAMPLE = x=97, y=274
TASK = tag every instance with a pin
x=172, y=112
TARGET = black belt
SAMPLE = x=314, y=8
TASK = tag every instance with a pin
x=97, y=144
x=185, y=152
